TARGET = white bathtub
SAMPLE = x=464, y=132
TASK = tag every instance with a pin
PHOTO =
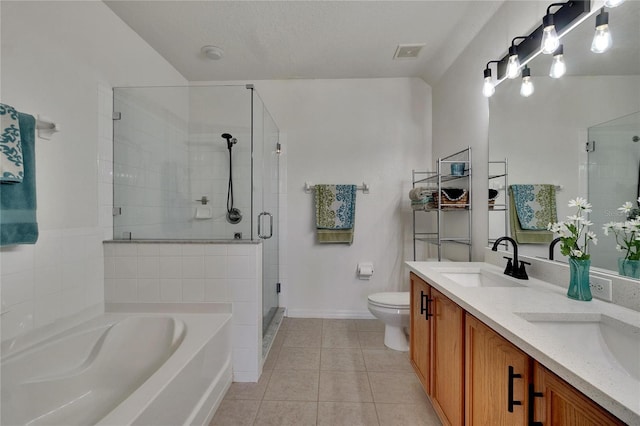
x=118, y=369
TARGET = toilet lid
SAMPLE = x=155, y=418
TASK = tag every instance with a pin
x=391, y=299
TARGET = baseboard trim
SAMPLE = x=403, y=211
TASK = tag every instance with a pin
x=310, y=313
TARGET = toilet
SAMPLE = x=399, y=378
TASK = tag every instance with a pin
x=392, y=308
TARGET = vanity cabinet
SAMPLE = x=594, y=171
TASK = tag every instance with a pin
x=560, y=404
x=437, y=349
x=496, y=378
x=420, y=333
x=475, y=377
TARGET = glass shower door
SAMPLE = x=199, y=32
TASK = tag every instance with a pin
x=266, y=157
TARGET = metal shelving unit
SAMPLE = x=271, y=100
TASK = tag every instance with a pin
x=439, y=179
x=499, y=172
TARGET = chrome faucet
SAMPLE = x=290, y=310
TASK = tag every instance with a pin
x=514, y=270
x=552, y=246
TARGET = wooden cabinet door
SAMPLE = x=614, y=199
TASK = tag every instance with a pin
x=420, y=335
x=562, y=405
x=496, y=378
x=447, y=352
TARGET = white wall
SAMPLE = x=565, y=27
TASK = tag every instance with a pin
x=348, y=131
x=60, y=59
x=461, y=112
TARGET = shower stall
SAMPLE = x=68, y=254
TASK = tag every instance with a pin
x=198, y=163
x=613, y=179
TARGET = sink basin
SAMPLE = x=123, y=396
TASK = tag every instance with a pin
x=595, y=336
x=480, y=278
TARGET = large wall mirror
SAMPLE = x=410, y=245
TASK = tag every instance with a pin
x=543, y=138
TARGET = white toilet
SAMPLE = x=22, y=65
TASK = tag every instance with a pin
x=392, y=308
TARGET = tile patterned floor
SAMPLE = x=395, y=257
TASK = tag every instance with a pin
x=333, y=373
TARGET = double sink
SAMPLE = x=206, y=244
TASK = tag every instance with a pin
x=594, y=336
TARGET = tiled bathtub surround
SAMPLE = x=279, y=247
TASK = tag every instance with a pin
x=194, y=272
x=58, y=277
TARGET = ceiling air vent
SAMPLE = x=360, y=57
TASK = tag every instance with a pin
x=408, y=51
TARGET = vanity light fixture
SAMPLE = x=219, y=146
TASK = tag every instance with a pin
x=613, y=3
x=558, y=67
x=550, y=39
x=602, y=38
x=488, y=88
x=513, y=64
x=527, y=88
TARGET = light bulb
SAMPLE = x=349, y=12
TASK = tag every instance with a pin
x=488, y=89
x=558, y=66
x=613, y=3
x=550, y=40
x=602, y=38
x=513, y=65
x=526, y=89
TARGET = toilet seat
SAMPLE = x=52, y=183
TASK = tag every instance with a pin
x=393, y=300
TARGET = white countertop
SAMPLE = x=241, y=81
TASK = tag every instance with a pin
x=498, y=307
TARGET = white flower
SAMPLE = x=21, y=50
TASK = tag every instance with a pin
x=579, y=202
x=626, y=207
x=619, y=247
x=575, y=218
x=586, y=222
x=592, y=236
x=576, y=253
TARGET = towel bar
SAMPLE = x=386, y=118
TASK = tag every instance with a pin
x=308, y=187
x=46, y=127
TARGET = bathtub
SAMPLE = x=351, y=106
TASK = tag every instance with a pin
x=121, y=369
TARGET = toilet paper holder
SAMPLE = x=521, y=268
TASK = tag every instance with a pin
x=365, y=270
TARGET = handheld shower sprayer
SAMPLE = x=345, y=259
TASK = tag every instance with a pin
x=233, y=214
x=231, y=141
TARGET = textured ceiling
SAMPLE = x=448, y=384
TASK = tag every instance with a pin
x=306, y=39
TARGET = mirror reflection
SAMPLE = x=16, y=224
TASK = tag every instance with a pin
x=541, y=140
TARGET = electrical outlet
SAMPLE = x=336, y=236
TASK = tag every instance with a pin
x=600, y=288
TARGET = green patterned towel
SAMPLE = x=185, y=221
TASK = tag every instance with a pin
x=335, y=213
x=535, y=205
x=523, y=236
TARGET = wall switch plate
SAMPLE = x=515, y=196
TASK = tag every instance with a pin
x=601, y=288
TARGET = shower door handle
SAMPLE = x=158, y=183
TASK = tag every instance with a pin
x=265, y=237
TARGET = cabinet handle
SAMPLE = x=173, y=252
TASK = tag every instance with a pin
x=510, y=401
x=429, y=314
x=424, y=305
x=531, y=399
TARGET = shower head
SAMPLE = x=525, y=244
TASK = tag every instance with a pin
x=230, y=140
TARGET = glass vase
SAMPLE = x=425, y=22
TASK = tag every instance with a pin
x=579, y=279
x=629, y=268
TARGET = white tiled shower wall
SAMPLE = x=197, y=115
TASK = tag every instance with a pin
x=195, y=273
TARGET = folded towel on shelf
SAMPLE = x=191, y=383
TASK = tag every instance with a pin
x=18, y=202
x=535, y=205
x=419, y=193
x=525, y=236
x=11, y=161
x=335, y=213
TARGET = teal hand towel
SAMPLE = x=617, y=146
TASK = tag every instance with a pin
x=11, y=162
x=335, y=213
x=18, y=223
